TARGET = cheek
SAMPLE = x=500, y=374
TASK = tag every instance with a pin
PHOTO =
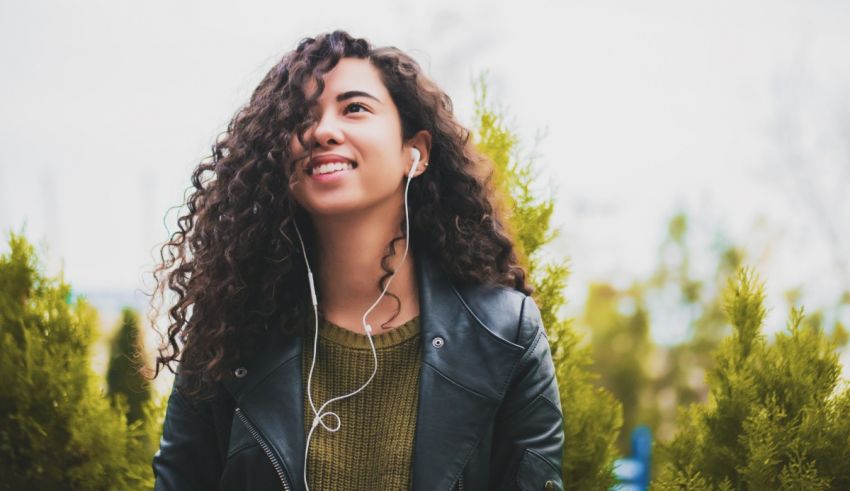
x=380, y=146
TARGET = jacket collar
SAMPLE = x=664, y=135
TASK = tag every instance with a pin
x=461, y=384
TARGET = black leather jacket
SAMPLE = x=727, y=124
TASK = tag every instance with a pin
x=489, y=415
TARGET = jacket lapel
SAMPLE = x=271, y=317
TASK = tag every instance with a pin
x=270, y=396
x=461, y=385
x=461, y=382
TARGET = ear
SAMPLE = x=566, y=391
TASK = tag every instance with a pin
x=422, y=142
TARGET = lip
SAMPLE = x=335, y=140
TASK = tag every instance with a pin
x=326, y=158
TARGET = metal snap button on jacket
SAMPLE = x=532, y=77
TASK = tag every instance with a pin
x=240, y=372
x=549, y=486
x=438, y=342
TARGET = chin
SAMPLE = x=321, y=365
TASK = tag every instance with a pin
x=331, y=209
x=342, y=206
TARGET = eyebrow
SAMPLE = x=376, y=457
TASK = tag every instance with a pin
x=355, y=93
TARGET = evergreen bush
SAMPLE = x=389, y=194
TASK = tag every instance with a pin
x=58, y=429
x=777, y=417
x=592, y=416
x=124, y=379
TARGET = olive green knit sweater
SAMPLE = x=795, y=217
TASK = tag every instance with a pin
x=373, y=448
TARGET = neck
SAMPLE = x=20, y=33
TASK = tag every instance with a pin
x=350, y=253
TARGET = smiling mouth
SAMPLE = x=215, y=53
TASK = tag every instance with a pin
x=330, y=168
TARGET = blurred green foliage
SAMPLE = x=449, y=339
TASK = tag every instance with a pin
x=652, y=380
x=592, y=415
x=124, y=377
x=58, y=429
x=777, y=413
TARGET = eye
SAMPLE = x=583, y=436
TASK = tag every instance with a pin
x=353, y=105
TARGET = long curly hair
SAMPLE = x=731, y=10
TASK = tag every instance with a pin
x=233, y=268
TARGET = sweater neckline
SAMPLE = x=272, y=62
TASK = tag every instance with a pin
x=351, y=339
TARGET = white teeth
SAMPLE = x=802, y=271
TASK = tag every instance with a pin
x=331, y=167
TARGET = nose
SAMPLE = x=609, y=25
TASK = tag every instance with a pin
x=327, y=131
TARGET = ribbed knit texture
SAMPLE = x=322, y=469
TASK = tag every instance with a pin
x=373, y=449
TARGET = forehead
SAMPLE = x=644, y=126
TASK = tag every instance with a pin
x=351, y=74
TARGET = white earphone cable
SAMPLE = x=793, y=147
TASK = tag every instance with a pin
x=318, y=415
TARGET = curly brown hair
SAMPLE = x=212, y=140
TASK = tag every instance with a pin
x=233, y=266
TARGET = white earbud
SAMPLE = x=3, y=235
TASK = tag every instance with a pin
x=416, y=155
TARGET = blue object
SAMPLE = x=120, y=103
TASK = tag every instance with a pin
x=633, y=471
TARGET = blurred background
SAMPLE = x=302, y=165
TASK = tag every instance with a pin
x=677, y=140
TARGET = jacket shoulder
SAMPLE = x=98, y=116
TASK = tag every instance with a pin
x=508, y=313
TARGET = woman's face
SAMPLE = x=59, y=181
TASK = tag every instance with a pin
x=358, y=162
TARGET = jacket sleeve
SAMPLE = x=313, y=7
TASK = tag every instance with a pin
x=188, y=452
x=528, y=441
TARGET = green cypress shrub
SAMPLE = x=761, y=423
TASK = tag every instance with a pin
x=124, y=379
x=592, y=416
x=57, y=430
x=777, y=414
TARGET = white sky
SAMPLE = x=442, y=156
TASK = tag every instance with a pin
x=735, y=111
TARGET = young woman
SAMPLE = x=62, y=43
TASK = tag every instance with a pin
x=349, y=310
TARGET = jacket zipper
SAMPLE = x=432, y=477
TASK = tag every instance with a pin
x=260, y=441
x=459, y=485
